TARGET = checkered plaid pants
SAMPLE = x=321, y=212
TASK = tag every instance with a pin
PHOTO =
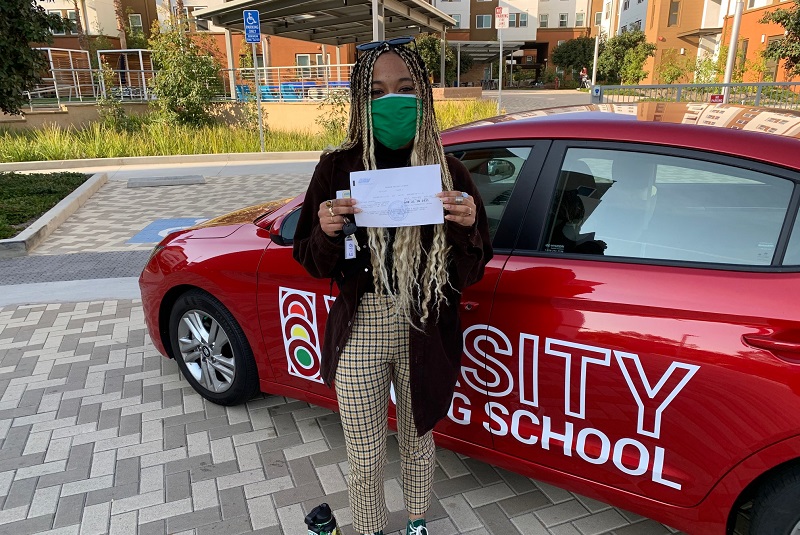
x=375, y=356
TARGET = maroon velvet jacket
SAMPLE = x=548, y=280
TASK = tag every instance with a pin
x=436, y=353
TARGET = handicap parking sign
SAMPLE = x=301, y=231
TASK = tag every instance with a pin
x=252, y=26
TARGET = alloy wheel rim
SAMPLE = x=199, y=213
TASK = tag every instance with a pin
x=206, y=350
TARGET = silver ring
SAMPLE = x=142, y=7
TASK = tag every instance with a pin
x=459, y=200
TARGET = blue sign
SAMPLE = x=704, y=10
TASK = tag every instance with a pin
x=158, y=229
x=252, y=26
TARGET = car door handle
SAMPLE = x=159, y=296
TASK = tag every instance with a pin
x=469, y=305
x=779, y=347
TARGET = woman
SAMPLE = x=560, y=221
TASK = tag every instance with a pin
x=396, y=317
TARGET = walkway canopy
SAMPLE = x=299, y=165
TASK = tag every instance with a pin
x=486, y=51
x=334, y=22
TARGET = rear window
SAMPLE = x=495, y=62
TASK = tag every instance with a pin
x=650, y=206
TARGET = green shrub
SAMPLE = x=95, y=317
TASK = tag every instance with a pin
x=146, y=136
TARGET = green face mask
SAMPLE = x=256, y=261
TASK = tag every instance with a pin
x=394, y=119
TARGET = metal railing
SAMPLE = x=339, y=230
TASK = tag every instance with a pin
x=286, y=84
x=69, y=76
x=770, y=94
x=277, y=84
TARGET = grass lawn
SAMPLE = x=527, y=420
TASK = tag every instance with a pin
x=25, y=197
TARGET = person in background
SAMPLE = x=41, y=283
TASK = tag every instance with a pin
x=395, y=319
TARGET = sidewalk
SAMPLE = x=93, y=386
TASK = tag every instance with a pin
x=100, y=434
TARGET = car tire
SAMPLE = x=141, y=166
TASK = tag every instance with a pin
x=775, y=508
x=211, y=349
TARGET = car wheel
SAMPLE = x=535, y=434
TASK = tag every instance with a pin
x=775, y=509
x=211, y=349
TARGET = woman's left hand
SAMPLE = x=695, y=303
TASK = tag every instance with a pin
x=460, y=207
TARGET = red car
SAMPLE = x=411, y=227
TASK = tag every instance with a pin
x=636, y=337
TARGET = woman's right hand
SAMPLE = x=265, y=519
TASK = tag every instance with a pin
x=331, y=212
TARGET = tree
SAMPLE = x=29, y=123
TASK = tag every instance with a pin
x=788, y=48
x=575, y=54
x=119, y=13
x=429, y=47
x=188, y=74
x=624, y=56
x=674, y=68
x=83, y=41
x=23, y=22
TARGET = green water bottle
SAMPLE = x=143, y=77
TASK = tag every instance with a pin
x=320, y=521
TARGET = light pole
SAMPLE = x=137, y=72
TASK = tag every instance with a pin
x=737, y=22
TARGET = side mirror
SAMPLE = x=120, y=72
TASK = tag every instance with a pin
x=500, y=169
x=282, y=230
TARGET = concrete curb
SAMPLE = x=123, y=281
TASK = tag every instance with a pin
x=32, y=236
x=151, y=160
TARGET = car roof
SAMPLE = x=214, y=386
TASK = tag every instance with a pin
x=766, y=134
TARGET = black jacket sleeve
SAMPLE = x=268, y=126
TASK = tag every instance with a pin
x=317, y=252
x=471, y=246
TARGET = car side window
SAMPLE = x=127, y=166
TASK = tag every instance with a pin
x=651, y=206
x=495, y=171
x=792, y=257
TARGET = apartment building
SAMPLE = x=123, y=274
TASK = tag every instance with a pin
x=755, y=36
x=562, y=20
x=540, y=24
x=97, y=18
x=684, y=30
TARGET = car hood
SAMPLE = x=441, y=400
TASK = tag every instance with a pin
x=226, y=224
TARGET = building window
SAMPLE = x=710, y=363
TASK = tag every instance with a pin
x=529, y=60
x=72, y=15
x=483, y=21
x=304, y=61
x=561, y=42
x=60, y=14
x=195, y=24
x=543, y=20
x=458, y=21
x=563, y=20
x=674, y=9
x=512, y=20
x=580, y=19
x=636, y=26
x=607, y=11
x=751, y=4
x=135, y=22
x=626, y=4
x=201, y=25
x=320, y=71
x=523, y=20
x=598, y=18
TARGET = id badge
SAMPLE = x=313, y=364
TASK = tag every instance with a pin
x=343, y=194
x=349, y=248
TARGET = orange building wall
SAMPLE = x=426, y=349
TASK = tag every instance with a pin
x=753, y=32
x=666, y=38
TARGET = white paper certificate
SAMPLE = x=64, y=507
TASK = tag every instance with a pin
x=401, y=197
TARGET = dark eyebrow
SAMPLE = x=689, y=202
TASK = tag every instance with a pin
x=405, y=79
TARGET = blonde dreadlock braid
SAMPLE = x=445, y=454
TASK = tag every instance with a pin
x=414, y=293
